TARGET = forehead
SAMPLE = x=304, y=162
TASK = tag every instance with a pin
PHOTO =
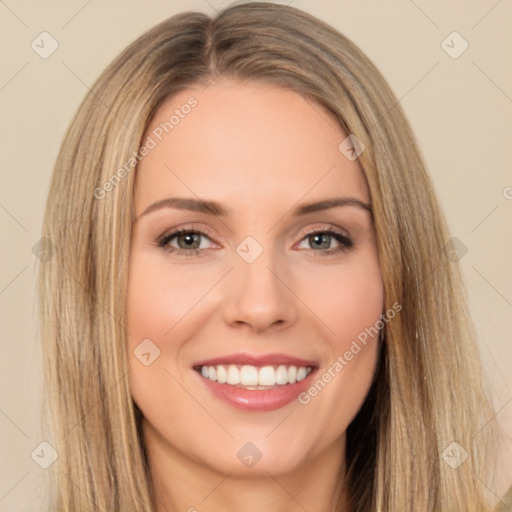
x=239, y=142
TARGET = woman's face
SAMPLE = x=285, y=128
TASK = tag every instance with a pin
x=233, y=321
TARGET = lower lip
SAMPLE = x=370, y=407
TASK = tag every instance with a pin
x=258, y=399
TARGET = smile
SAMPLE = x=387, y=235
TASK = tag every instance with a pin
x=255, y=382
x=253, y=377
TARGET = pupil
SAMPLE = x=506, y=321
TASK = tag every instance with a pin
x=189, y=238
x=319, y=236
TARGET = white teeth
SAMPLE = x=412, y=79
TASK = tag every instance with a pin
x=222, y=376
x=301, y=373
x=233, y=375
x=292, y=374
x=282, y=375
x=253, y=376
x=267, y=376
x=249, y=376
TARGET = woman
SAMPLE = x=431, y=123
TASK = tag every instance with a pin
x=252, y=304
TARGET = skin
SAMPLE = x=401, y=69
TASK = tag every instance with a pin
x=260, y=150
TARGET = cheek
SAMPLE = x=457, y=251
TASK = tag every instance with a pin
x=157, y=300
x=347, y=299
x=350, y=304
x=161, y=295
x=163, y=304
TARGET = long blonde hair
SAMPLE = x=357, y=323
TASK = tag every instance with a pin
x=428, y=390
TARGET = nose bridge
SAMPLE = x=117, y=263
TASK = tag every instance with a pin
x=257, y=294
x=256, y=269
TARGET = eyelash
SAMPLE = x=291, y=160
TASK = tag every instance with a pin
x=345, y=242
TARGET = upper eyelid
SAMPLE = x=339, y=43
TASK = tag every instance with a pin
x=317, y=226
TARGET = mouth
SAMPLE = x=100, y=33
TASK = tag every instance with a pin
x=253, y=377
x=256, y=383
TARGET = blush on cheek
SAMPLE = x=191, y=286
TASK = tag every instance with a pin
x=163, y=294
x=347, y=304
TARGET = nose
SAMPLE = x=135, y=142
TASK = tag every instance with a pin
x=259, y=296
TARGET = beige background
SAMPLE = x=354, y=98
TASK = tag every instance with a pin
x=460, y=110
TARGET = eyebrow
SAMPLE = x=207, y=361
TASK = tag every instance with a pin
x=216, y=209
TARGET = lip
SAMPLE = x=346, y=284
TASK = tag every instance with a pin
x=257, y=400
x=257, y=360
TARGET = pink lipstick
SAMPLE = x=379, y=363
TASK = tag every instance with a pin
x=256, y=382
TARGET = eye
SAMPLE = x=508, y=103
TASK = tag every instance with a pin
x=320, y=239
x=188, y=241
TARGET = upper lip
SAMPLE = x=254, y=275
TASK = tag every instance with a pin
x=257, y=360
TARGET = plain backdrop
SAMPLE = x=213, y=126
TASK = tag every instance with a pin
x=458, y=102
